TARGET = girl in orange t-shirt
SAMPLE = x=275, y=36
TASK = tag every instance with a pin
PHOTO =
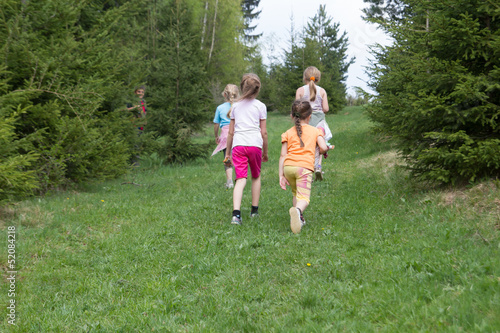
x=297, y=160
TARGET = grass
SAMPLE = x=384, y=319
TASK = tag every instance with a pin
x=380, y=252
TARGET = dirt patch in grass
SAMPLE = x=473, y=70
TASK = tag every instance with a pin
x=385, y=161
x=480, y=203
x=26, y=215
x=484, y=197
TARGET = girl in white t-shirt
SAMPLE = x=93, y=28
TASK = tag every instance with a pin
x=319, y=103
x=247, y=143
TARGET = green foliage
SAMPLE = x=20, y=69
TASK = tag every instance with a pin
x=65, y=69
x=322, y=36
x=178, y=79
x=250, y=13
x=17, y=176
x=438, y=91
x=320, y=45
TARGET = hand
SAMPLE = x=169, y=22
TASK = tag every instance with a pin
x=284, y=182
x=265, y=158
x=217, y=140
x=227, y=161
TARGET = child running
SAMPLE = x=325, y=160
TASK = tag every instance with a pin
x=296, y=165
x=247, y=143
x=221, y=120
x=319, y=103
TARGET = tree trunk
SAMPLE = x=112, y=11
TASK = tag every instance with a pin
x=204, y=25
x=213, y=32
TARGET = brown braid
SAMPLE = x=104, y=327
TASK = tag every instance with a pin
x=298, y=127
x=301, y=109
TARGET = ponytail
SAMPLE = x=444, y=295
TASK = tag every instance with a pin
x=312, y=75
x=312, y=91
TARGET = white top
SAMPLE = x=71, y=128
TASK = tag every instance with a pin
x=317, y=105
x=247, y=114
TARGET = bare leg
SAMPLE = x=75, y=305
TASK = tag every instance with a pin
x=229, y=175
x=238, y=192
x=302, y=205
x=317, y=165
x=317, y=159
x=255, y=191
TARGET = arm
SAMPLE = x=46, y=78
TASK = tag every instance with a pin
x=216, y=133
x=323, y=148
x=263, y=132
x=230, y=139
x=325, y=101
x=299, y=93
x=283, y=181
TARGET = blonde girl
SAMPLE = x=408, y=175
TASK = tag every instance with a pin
x=221, y=121
x=247, y=143
x=296, y=165
x=319, y=103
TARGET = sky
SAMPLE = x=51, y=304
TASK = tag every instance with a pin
x=275, y=24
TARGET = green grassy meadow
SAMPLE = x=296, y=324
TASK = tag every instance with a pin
x=155, y=250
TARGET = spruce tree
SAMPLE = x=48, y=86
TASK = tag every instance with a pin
x=66, y=66
x=250, y=13
x=178, y=84
x=437, y=89
x=323, y=35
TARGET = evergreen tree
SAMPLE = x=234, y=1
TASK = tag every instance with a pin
x=387, y=10
x=65, y=67
x=250, y=13
x=321, y=46
x=322, y=36
x=437, y=89
x=178, y=80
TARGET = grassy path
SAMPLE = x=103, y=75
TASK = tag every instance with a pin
x=379, y=253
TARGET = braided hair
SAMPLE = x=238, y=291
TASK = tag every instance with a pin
x=301, y=110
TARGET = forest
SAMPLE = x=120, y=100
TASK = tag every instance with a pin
x=68, y=71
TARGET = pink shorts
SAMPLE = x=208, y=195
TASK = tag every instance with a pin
x=242, y=157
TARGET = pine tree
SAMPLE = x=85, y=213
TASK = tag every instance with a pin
x=65, y=66
x=437, y=89
x=322, y=36
x=250, y=13
x=178, y=84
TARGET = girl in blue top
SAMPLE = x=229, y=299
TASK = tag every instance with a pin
x=221, y=120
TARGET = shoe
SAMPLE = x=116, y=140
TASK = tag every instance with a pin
x=236, y=220
x=302, y=221
x=229, y=185
x=295, y=222
x=254, y=215
x=318, y=174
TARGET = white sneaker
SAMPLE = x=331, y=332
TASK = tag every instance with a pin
x=236, y=220
x=229, y=185
x=295, y=222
